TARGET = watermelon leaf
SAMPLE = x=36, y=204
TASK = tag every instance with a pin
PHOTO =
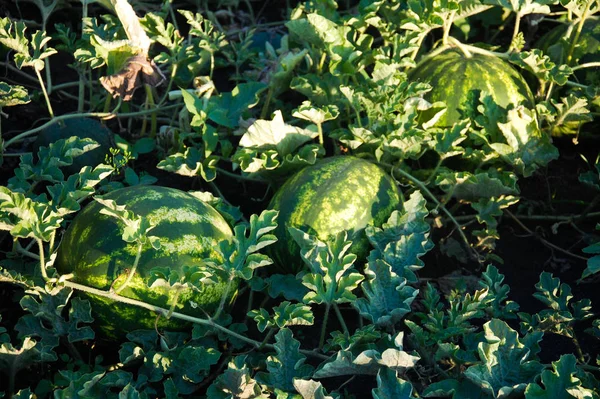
x=536, y=62
x=389, y=386
x=11, y=95
x=508, y=364
x=50, y=160
x=499, y=306
x=24, y=217
x=236, y=382
x=387, y=298
x=362, y=337
x=561, y=313
x=227, y=108
x=47, y=323
x=522, y=7
x=13, y=359
x=311, y=389
x=241, y=256
x=403, y=239
x=527, y=148
x=332, y=278
x=286, y=365
x=191, y=163
x=369, y=361
x=593, y=263
x=316, y=115
x=134, y=228
x=285, y=314
x=28, y=52
x=276, y=134
x=561, y=382
x=190, y=277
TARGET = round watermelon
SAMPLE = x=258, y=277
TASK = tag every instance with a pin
x=336, y=194
x=453, y=76
x=83, y=128
x=93, y=250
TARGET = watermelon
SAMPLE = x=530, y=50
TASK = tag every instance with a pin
x=336, y=194
x=453, y=76
x=82, y=128
x=93, y=250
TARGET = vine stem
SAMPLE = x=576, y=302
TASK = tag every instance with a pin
x=224, y=297
x=424, y=188
x=43, y=86
x=178, y=291
x=320, y=131
x=578, y=31
x=138, y=255
x=512, y=47
x=544, y=241
x=341, y=319
x=240, y=177
x=181, y=316
x=42, y=259
x=586, y=65
x=101, y=115
x=447, y=26
x=324, y=327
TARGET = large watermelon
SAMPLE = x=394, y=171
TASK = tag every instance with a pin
x=336, y=194
x=453, y=76
x=92, y=249
x=86, y=128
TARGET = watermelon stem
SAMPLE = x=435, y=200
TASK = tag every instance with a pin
x=341, y=319
x=224, y=297
x=101, y=115
x=42, y=259
x=516, y=29
x=178, y=290
x=578, y=31
x=324, y=327
x=181, y=316
x=138, y=255
x=43, y=86
x=467, y=48
x=474, y=254
x=586, y=65
x=447, y=26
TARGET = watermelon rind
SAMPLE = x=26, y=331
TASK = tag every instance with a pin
x=454, y=75
x=341, y=193
x=189, y=231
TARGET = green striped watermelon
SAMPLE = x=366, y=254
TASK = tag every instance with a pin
x=93, y=250
x=453, y=76
x=336, y=194
x=86, y=128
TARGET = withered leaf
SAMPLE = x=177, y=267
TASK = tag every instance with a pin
x=137, y=71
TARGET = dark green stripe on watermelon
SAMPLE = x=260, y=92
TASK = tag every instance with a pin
x=453, y=76
x=92, y=249
x=336, y=194
x=84, y=128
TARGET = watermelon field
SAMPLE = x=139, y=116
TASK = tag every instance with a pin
x=238, y=199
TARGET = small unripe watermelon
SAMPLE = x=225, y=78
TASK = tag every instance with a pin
x=93, y=250
x=336, y=194
x=453, y=76
x=85, y=128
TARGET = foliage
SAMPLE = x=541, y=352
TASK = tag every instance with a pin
x=227, y=100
